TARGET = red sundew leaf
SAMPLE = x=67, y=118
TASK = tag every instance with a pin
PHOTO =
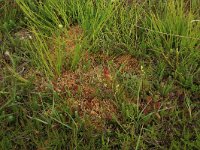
x=75, y=87
x=106, y=73
x=146, y=110
x=149, y=99
x=53, y=83
x=157, y=105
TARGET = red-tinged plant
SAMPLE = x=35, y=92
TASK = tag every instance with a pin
x=107, y=74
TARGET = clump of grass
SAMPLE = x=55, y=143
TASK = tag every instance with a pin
x=173, y=37
x=45, y=15
x=120, y=34
x=9, y=13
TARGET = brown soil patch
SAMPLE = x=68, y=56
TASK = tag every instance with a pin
x=69, y=38
x=82, y=87
x=90, y=92
x=73, y=37
x=81, y=90
x=96, y=110
x=128, y=63
x=75, y=32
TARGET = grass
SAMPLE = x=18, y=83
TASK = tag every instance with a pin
x=83, y=74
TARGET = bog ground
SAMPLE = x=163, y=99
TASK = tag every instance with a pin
x=104, y=74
